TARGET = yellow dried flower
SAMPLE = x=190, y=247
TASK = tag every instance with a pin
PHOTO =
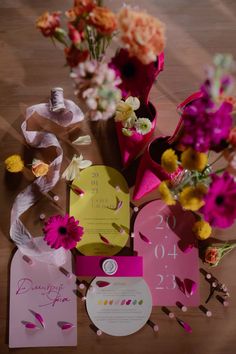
x=202, y=229
x=166, y=194
x=193, y=160
x=169, y=161
x=14, y=163
x=191, y=198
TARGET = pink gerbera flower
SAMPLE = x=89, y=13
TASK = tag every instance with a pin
x=220, y=207
x=62, y=231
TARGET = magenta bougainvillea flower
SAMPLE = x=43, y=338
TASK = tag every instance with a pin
x=137, y=78
x=206, y=126
x=220, y=207
x=62, y=231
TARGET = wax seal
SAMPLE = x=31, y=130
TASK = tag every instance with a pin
x=109, y=266
x=56, y=101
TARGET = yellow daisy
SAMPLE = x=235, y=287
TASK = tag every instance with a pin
x=191, y=198
x=169, y=161
x=165, y=193
x=202, y=229
x=193, y=160
x=14, y=163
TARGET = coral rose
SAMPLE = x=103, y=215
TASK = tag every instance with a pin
x=39, y=168
x=103, y=19
x=142, y=34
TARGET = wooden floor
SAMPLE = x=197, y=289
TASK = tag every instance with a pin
x=29, y=67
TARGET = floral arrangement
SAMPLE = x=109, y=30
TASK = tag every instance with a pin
x=119, y=87
x=90, y=30
x=207, y=127
x=125, y=113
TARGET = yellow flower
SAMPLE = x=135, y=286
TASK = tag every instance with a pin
x=39, y=168
x=202, y=229
x=193, y=160
x=125, y=109
x=169, y=161
x=165, y=193
x=14, y=163
x=191, y=198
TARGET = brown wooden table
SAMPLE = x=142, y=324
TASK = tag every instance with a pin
x=29, y=67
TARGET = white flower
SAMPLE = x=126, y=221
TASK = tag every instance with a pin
x=73, y=169
x=125, y=109
x=143, y=126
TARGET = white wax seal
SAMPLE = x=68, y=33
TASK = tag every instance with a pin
x=109, y=266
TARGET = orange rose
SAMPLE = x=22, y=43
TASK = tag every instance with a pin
x=212, y=255
x=39, y=168
x=103, y=19
x=48, y=23
x=142, y=34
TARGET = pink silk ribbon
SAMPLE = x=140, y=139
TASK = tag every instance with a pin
x=36, y=247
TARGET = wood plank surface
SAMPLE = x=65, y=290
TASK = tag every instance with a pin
x=29, y=66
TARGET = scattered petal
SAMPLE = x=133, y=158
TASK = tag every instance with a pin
x=29, y=325
x=38, y=317
x=185, y=326
x=180, y=285
x=82, y=140
x=190, y=286
x=102, y=284
x=76, y=189
x=65, y=325
x=145, y=239
x=185, y=247
x=104, y=239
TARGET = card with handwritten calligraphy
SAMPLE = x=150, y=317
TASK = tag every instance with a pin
x=42, y=299
x=103, y=211
x=164, y=237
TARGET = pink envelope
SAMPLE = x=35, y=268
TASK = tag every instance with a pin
x=164, y=238
x=43, y=289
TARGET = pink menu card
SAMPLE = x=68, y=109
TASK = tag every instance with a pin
x=162, y=236
x=41, y=288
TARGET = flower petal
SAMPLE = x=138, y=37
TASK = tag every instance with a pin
x=85, y=163
x=82, y=140
x=133, y=102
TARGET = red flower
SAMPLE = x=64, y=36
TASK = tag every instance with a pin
x=74, y=35
x=212, y=255
x=48, y=23
x=75, y=56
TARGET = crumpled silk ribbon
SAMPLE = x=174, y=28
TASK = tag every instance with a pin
x=36, y=247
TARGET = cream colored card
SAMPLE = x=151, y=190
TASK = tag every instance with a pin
x=103, y=210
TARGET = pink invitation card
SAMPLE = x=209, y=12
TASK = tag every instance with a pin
x=163, y=236
x=41, y=289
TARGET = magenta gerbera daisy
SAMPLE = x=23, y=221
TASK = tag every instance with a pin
x=62, y=231
x=137, y=78
x=220, y=207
